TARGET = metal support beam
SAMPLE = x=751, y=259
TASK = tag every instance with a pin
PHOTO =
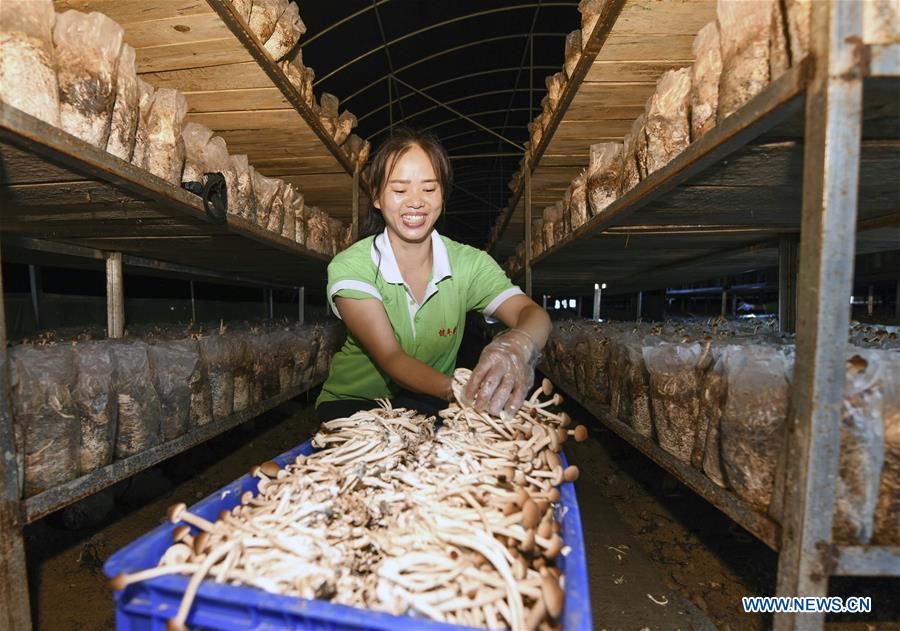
x=544, y=301
x=354, y=225
x=15, y=612
x=193, y=304
x=528, y=270
x=460, y=114
x=787, y=283
x=723, y=311
x=638, y=306
x=115, y=296
x=870, y=302
x=301, y=301
x=827, y=242
x=36, y=283
x=270, y=304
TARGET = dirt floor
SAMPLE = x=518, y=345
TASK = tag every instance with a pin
x=659, y=557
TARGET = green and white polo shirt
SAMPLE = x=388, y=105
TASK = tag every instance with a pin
x=463, y=279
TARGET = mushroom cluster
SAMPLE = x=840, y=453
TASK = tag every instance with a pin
x=456, y=525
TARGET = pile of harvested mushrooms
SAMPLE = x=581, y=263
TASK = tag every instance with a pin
x=457, y=525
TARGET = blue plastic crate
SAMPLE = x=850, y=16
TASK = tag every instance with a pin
x=148, y=605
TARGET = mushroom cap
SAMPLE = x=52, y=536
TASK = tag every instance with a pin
x=201, y=542
x=581, y=433
x=118, y=582
x=554, y=547
x=563, y=435
x=175, y=625
x=246, y=496
x=546, y=387
x=552, y=594
x=270, y=468
x=181, y=532
x=531, y=514
x=553, y=495
x=175, y=511
x=571, y=473
x=564, y=419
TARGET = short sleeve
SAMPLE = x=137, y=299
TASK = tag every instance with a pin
x=488, y=286
x=351, y=275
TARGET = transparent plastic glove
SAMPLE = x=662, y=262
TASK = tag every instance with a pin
x=504, y=373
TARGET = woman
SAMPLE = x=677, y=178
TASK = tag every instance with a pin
x=404, y=293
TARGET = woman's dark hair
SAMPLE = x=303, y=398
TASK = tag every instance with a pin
x=391, y=150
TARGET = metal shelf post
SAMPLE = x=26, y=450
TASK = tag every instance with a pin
x=830, y=187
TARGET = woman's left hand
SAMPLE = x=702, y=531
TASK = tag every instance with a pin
x=504, y=373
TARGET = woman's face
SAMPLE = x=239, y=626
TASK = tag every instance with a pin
x=411, y=199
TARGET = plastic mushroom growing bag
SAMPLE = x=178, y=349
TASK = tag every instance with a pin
x=555, y=83
x=705, y=80
x=862, y=448
x=590, y=13
x=328, y=112
x=217, y=160
x=195, y=137
x=798, y=17
x=288, y=229
x=573, y=52
x=48, y=436
x=96, y=404
x=604, y=175
x=243, y=7
x=244, y=204
x=287, y=33
x=887, y=510
x=126, y=110
x=276, y=212
x=164, y=155
x=299, y=208
x=578, y=203
x=346, y=122
x=264, y=17
x=265, y=189
x=744, y=36
x=27, y=64
x=87, y=54
x=631, y=155
x=145, y=102
x=668, y=127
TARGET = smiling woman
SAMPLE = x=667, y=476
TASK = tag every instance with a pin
x=404, y=292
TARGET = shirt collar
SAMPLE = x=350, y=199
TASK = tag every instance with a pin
x=391, y=271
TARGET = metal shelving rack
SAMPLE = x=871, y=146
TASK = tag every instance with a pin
x=838, y=111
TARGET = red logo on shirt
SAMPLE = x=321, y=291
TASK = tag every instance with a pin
x=447, y=331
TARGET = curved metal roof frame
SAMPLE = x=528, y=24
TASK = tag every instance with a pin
x=431, y=27
x=452, y=49
x=450, y=102
x=470, y=75
x=473, y=114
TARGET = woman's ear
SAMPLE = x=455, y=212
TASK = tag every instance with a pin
x=376, y=203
